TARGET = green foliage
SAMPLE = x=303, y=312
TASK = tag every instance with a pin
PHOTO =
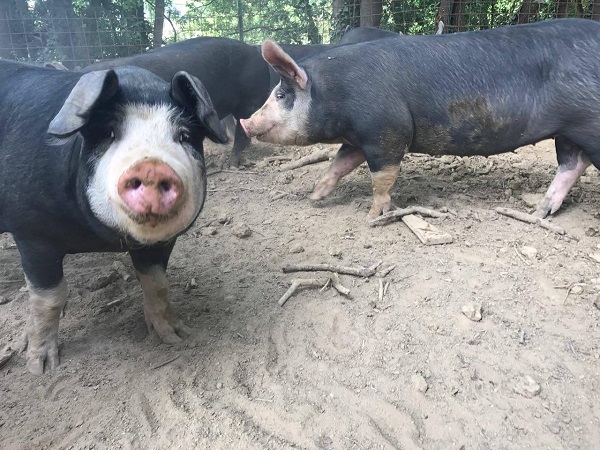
x=80, y=31
x=289, y=21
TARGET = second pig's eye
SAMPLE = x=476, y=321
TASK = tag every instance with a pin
x=184, y=136
x=279, y=95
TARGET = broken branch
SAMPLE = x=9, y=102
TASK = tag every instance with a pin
x=528, y=218
x=337, y=285
x=397, y=214
x=364, y=272
x=313, y=158
x=307, y=282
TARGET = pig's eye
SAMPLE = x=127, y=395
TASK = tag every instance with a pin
x=279, y=95
x=111, y=134
x=184, y=136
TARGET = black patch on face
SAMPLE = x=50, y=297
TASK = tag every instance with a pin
x=285, y=94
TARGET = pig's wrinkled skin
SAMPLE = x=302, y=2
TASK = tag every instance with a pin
x=474, y=93
x=111, y=160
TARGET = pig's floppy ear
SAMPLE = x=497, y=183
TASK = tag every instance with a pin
x=89, y=90
x=283, y=63
x=188, y=91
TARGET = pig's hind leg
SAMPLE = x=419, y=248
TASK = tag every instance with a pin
x=150, y=265
x=572, y=162
x=346, y=160
x=42, y=264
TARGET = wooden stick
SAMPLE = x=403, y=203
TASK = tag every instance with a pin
x=243, y=172
x=397, y=214
x=301, y=282
x=168, y=361
x=337, y=285
x=528, y=218
x=313, y=158
x=364, y=272
x=277, y=158
x=384, y=272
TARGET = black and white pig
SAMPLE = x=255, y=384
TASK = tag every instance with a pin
x=474, y=93
x=106, y=161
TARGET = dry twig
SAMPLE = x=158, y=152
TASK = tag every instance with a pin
x=337, y=285
x=528, y=218
x=168, y=361
x=301, y=282
x=313, y=158
x=521, y=256
x=357, y=272
x=385, y=272
x=397, y=214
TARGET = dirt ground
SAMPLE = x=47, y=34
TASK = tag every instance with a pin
x=409, y=371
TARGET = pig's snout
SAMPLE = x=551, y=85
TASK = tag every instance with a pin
x=244, y=124
x=151, y=188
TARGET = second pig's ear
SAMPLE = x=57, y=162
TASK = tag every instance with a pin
x=283, y=63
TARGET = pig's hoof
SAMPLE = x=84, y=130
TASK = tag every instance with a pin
x=379, y=209
x=170, y=331
x=323, y=188
x=235, y=161
x=545, y=207
x=38, y=354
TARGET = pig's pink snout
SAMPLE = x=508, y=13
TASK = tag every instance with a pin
x=151, y=188
x=244, y=124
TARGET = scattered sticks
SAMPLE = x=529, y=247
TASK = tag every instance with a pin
x=333, y=279
x=397, y=214
x=528, y=218
x=313, y=158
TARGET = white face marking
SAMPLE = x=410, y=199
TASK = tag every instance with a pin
x=276, y=124
x=148, y=132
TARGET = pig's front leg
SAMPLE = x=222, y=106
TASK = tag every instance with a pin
x=150, y=265
x=383, y=181
x=42, y=264
x=346, y=160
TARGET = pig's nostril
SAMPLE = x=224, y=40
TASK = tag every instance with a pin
x=134, y=183
x=165, y=186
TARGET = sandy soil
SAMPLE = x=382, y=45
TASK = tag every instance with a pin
x=324, y=371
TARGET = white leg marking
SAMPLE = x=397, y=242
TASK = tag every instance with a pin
x=158, y=311
x=41, y=333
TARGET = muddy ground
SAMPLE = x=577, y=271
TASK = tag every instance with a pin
x=410, y=371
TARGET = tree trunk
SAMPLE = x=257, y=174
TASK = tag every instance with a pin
x=65, y=30
x=562, y=8
x=370, y=13
x=458, y=15
x=16, y=26
x=596, y=10
x=338, y=21
x=159, y=19
x=528, y=10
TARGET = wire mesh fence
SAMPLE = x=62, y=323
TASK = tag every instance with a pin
x=79, y=32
